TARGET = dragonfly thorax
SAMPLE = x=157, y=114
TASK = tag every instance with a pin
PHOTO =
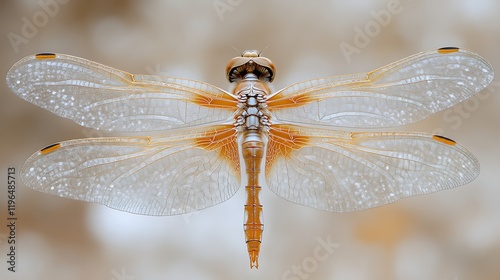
x=253, y=113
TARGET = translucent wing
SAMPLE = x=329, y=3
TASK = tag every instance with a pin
x=162, y=175
x=400, y=93
x=101, y=97
x=341, y=171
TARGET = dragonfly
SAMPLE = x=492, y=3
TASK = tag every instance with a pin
x=192, y=145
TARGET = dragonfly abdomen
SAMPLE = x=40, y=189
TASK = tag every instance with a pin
x=253, y=153
x=252, y=122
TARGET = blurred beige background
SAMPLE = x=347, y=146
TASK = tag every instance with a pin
x=453, y=234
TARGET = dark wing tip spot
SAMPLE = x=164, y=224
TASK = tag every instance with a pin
x=448, y=50
x=444, y=140
x=50, y=148
x=45, y=55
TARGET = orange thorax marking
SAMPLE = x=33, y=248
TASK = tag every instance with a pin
x=223, y=138
x=222, y=102
x=282, y=102
x=283, y=140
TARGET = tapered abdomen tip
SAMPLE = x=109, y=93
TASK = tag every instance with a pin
x=254, y=260
x=253, y=253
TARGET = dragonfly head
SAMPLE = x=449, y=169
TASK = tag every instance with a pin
x=250, y=62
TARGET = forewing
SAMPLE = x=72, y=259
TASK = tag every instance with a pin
x=400, y=93
x=165, y=175
x=341, y=171
x=101, y=97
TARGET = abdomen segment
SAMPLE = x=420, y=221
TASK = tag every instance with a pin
x=253, y=153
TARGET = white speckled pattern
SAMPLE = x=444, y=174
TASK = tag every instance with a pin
x=400, y=93
x=101, y=97
x=151, y=176
x=354, y=171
